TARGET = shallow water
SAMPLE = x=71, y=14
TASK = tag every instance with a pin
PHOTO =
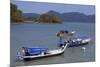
x=44, y=35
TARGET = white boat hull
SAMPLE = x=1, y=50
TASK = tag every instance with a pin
x=50, y=53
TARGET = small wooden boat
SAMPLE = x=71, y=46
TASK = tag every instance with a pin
x=77, y=40
x=35, y=53
x=63, y=33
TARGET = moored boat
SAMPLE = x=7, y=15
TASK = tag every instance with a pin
x=35, y=53
x=77, y=40
x=63, y=33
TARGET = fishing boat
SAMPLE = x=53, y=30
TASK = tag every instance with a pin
x=77, y=40
x=35, y=53
x=63, y=33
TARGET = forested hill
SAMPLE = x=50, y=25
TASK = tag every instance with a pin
x=49, y=17
x=69, y=16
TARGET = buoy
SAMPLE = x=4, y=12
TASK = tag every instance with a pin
x=83, y=48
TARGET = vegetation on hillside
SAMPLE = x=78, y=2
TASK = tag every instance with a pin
x=48, y=18
x=15, y=13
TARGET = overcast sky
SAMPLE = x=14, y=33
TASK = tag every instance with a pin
x=39, y=7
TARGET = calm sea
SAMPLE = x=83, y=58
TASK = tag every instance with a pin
x=44, y=35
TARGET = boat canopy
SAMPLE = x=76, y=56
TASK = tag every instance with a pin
x=77, y=37
x=36, y=50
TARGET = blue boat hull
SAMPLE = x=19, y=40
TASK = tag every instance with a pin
x=76, y=45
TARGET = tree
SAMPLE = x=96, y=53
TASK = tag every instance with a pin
x=48, y=18
x=16, y=14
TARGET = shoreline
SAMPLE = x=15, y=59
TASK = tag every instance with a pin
x=33, y=23
x=47, y=22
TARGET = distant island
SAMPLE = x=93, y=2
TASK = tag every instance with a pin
x=49, y=17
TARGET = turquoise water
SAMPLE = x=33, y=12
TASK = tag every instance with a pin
x=44, y=35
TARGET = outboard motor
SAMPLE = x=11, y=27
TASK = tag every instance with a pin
x=21, y=53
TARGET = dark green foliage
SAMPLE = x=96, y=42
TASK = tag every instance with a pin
x=48, y=18
x=15, y=13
